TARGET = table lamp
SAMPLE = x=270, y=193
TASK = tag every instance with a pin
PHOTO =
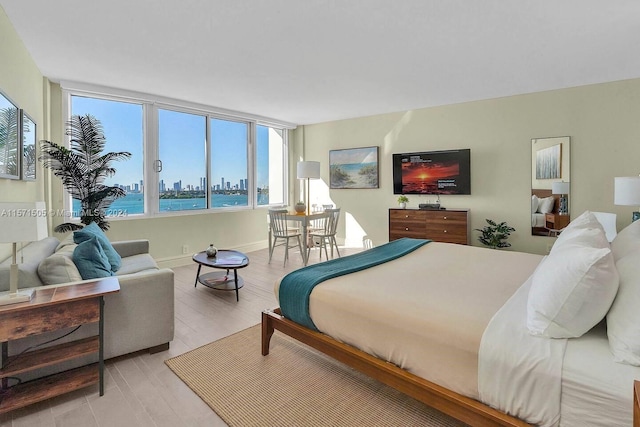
x=20, y=222
x=561, y=188
x=308, y=170
x=627, y=193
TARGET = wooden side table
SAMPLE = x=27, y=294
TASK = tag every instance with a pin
x=52, y=309
x=556, y=222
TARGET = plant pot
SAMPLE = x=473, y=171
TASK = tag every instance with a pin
x=300, y=208
x=402, y=205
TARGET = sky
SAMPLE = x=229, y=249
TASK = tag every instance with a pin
x=182, y=144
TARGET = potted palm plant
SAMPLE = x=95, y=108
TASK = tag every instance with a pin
x=83, y=168
x=495, y=235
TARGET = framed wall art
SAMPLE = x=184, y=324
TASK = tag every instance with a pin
x=29, y=159
x=9, y=139
x=354, y=168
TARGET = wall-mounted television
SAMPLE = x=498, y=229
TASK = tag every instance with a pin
x=432, y=172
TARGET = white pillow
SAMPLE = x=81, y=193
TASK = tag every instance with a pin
x=585, y=220
x=534, y=204
x=627, y=241
x=623, y=319
x=571, y=291
x=592, y=237
x=546, y=205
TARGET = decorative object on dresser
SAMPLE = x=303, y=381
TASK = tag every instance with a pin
x=443, y=225
x=20, y=222
x=402, y=201
x=562, y=188
x=627, y=193
x=300, y=207
x=495, y=235
x=308, y=170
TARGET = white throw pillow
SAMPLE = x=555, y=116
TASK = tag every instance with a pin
x=591, y=237
x=546, y=205
x=627, y=241
x=623, y=319
x=571, y=291
x=535, y=202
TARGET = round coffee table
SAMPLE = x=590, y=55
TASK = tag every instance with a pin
x=226, y=260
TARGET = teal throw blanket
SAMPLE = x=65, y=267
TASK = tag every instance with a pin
x=296, y=287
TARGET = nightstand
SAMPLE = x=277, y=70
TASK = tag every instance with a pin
x=556, y=222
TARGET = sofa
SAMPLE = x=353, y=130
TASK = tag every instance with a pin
x=139, y=317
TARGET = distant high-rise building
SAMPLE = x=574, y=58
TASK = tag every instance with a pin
x=222, y=182
x=177, y=186
x=228, y=185
x=141, y=186
x=136, y=188
x=246, y=184
x=162, y=188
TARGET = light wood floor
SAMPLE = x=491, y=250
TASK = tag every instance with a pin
x=139, y=389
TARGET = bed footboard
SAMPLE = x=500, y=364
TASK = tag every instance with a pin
x=457, y=406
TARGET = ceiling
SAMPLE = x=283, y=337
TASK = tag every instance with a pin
x=313, y=61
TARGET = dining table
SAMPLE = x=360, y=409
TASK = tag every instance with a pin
x=305, y=220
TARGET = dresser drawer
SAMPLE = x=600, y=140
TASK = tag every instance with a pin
x=402, y=215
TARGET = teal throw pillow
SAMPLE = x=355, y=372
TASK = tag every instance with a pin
x=91, y=260
x=94, y=230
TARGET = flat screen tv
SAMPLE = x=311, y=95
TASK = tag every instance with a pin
x=432, y=172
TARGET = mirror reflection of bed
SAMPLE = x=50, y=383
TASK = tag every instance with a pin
x=543, y=202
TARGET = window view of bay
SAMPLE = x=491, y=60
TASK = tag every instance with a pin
x=133, y=203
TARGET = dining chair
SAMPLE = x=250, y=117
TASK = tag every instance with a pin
x=281, y=231
x=327, y=234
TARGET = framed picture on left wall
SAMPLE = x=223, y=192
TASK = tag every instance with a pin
x=354, y=168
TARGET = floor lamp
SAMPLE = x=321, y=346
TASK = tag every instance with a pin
x=20, y=222
x=308, y=170
x=627, y=193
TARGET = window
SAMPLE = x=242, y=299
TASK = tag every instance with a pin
x=182, y=142
x=186, y=158
x=229, y=182
x=122, y=126
x=270, y=166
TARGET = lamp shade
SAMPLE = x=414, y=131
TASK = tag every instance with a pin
x=560, y=187
x=308, y=169
x=627, y=191
x=22, y=221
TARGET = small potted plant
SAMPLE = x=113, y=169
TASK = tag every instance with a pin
x=495, y=235
x=402, y=201
x=300, y=207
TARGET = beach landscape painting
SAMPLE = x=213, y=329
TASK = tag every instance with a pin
x=354, y=168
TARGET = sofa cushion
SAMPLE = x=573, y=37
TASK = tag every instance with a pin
x=136, y=264
x=59, y=267
x=91, y=260
x=93, y=230
x=28, y=260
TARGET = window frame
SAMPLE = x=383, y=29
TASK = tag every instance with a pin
x=151, y=145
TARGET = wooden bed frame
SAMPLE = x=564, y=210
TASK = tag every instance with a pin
x=456, y=405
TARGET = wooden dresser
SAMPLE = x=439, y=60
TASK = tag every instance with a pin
x=445, y=225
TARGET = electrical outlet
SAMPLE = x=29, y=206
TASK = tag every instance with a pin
x=185, y=249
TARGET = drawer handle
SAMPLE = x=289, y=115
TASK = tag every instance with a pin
x=445, y=217
x=406, y=229
x=406, y=216
x=445, y=231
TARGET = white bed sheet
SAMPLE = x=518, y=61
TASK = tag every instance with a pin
x=594, y=387
x=423, y=312
x=537, y=220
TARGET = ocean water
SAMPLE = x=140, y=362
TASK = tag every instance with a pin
x=133, y=203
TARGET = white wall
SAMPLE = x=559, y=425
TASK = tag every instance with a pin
x=602, y=121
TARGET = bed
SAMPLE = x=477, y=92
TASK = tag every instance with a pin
x=437, y=330
x=542, y=202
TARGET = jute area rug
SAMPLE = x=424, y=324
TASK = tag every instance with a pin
x=293, y=386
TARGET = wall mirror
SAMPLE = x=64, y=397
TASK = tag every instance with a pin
x=28, y=147
x=550, y=185
x=9, y=159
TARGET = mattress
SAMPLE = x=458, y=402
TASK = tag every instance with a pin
x=538, y=220
x=423, y=312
